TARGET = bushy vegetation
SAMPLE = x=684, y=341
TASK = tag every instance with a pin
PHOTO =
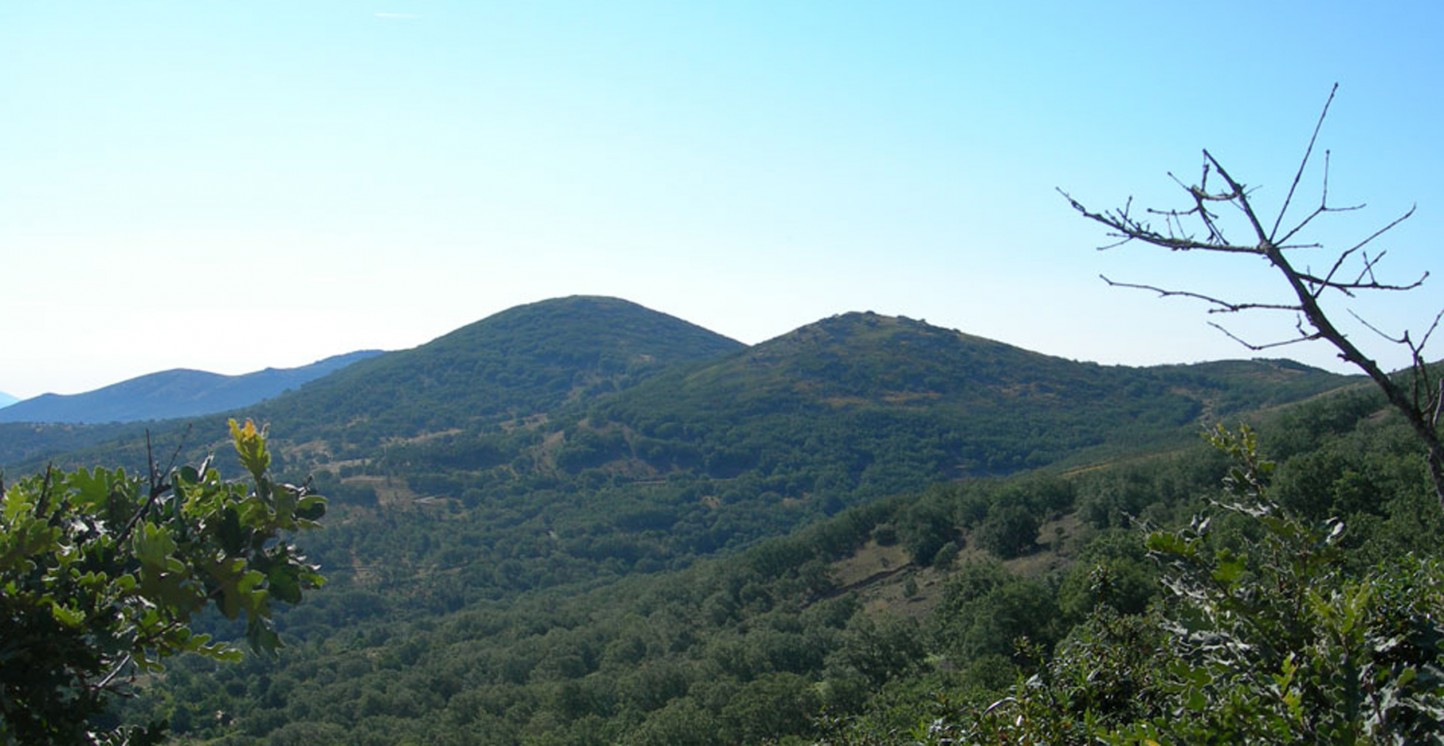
x=1078, y=633
x=1265, y=635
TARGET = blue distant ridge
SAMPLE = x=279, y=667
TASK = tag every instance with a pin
x=172, y=393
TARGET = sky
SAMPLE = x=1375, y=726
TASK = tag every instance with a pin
x=228, y=186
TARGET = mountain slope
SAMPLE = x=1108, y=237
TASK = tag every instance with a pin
x=173, y=393
x=710, y=456
x=527, y=361
x=882, y=612
x=6, y=400
x=960, y=404
x=572, y=444
x=635, y=441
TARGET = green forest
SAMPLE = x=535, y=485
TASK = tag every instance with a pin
x=583, y=522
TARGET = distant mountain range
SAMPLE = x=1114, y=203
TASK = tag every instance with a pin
x=6, y=400
x=573, y=414
x=878, y=403
x=171, y=394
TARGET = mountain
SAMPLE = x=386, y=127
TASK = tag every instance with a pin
x=641, y=441
x=871, y=394
x=573, y=391
x=582, y=521
x=173, y=393
x=528, y=361
x=534, y=600
x=6, y=400
x=523, y=364
x=560, y=431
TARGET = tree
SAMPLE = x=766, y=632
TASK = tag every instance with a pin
x=1009, y=531
x=102, y=572
x=1419, y=397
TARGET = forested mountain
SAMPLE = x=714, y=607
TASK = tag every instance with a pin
x=582, y=521
x=895, y=621
x=519, y=364
x=26, y=446
x=861, y=396
x=613, y=439
x=172, y=393
x=529, y=361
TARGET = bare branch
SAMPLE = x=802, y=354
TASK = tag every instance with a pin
x=1305, y=222
x=1324, y=283
x=179, y=446
x=157, y=488
x=1421, y=406
x=1329, y=278
x=1304, y=162
x=1242, y=202
x=1124, y=227
x=119, y=666
x=1222, y=306
x=1404, y=340
x=1430, y=333
x=42, y=503
x=1266, y=346
x=1408, y=214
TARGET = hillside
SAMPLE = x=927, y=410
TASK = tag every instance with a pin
x=638, y=441
x=528, y=361
x=522, y=363
x=541, y=476
x=582, y=521
x=875, y=394
x=28, y=447
x=173, y=393
x=858, y=629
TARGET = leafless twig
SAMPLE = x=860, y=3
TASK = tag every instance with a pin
x=1421, y=402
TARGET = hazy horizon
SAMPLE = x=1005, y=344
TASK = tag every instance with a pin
x=229, y=187
x=14, y=400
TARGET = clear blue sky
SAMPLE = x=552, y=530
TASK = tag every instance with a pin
x=234, y=185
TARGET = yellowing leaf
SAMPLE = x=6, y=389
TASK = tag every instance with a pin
x=251, y=445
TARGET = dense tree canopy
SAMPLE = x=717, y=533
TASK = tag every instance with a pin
x=848, y=631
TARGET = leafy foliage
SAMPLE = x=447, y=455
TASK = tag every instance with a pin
x=1266, y=638
x=103, y=574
